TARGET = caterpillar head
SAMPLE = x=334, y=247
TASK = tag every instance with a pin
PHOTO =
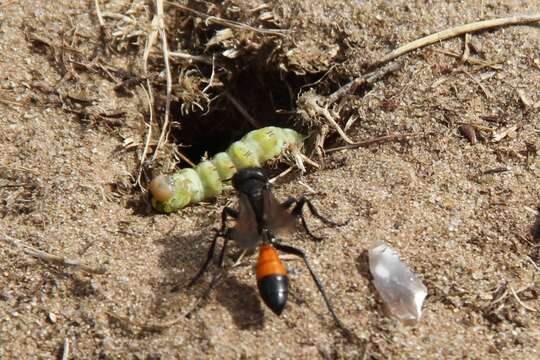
x=161, y=188
x=172, y=192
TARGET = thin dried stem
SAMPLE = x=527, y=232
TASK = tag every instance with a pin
x=467, y=49
x=190, y=58
x=65, y=352
x=280, y=175
x=239, y=259
x=148, y=137
x=361, y=80
x=307, y=160
x=519, y=300
x=211, y=81
x=53, y=259
x=495, y=65
x=326, y=114
x=230, y=23
x=477, y=82
x=149, y=43
x=242, y=110
x=165, y=49
x=457, y=31
x=377, y=140
x=11, y=103
x=185, y=158
x=8, y=3
x=99, y=14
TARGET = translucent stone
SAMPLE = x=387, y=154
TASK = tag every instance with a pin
x=400, y=289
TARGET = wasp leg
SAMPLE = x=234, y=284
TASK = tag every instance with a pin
x=222, y=232
x=298, y=212
x=200, y=301
x=295, y=251
x=223, y=251
x=287, y=203
x=214, y=283
x=207, y=261
x=227, y=212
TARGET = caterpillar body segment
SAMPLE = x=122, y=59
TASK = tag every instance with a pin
x=206, y=180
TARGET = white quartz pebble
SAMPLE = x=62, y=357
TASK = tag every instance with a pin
x=400, y=289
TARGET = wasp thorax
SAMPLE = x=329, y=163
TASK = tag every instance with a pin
x=161, y=188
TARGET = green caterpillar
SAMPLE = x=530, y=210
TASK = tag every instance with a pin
x=205, y=181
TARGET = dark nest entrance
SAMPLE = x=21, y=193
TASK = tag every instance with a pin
x=268, y=98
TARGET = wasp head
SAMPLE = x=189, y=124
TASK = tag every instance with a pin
x=248, y=179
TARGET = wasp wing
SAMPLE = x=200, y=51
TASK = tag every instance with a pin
x=245, y=231
x=278, y=219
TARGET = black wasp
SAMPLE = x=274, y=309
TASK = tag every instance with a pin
x=259, y=221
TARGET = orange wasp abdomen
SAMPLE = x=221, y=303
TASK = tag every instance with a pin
x=272, y=279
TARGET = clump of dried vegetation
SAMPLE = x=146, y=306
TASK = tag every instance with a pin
x=214, y=69
x=207, y=72
x=222, y=68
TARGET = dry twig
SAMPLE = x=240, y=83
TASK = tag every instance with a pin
x=280, y=175
x=519, y=300
x=377, y=140
x=467, y=49
x=148, y=137
x=477, y=82
x=369, y=78
x=8, y=3
x=151, y=38
x=315, y=109
x=230, y=23
x=165, y=48
x=11, y=103
x=99, y=14
x=143, y=325
x=307, y=160
x=457, y=31
x=242, y=110
x=177, y=152
x=497, y=170
x=65, y=352
x=53, y=259
x=318, y=109
x=495, y=65
x=190, y=58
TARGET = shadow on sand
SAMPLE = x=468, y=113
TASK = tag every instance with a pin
x=181, y=258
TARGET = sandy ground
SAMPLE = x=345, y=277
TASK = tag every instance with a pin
x=472, y=234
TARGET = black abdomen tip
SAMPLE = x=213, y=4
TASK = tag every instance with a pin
x=274, y=290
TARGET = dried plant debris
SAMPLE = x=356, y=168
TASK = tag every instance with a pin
x=215, y=41
x=402, y=291
x=77, y=62
x=20, y=189
x=468, y=133
x=236, y=55
x=51, y=258
x=506, y=132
